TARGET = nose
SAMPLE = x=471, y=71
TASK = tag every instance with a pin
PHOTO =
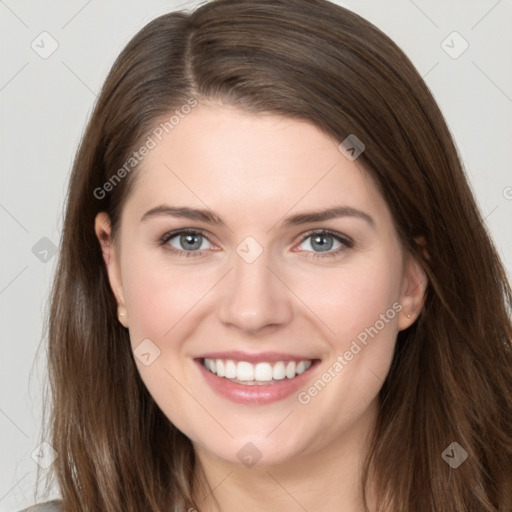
x=254, y=298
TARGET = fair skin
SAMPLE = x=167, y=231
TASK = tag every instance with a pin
x=255, y=171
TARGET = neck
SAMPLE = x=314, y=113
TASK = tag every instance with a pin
x=324, y=480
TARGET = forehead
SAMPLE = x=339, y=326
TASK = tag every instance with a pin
x=226, y=159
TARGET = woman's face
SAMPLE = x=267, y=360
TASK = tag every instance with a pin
x=258, y=285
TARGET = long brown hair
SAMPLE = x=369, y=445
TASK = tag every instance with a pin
x=451, y=376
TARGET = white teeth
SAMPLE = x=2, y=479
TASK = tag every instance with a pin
x=263, y=371
x=301, y=367
x=290, y=369
x=278, y=372
x=231, y=370
x=253, y=373
x=244, y=371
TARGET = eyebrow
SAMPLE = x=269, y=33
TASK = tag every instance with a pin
x=293, y=220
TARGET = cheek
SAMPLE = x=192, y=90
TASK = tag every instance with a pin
x=160, y=302
x=352, y=298
x=159, y=296
x=359, y=308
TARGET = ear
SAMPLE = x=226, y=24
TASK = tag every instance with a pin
x=414, y=286
x=103, y=232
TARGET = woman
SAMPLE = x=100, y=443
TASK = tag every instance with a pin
x=275, y=290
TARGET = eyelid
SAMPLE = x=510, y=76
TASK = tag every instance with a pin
x=325, y=231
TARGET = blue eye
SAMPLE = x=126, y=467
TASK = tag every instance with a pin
x=188, y=242
x=321, y=243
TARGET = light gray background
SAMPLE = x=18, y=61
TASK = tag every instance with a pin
x=45, y=104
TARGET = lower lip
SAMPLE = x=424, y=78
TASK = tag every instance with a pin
x=257, y=394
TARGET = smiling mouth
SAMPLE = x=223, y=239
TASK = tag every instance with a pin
x=264, y=373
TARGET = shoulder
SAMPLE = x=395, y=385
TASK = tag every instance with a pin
x=48, y=506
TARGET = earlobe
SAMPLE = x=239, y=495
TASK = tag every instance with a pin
x=102, y=228
x=122, y=315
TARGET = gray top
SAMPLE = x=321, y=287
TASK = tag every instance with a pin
x=48, y=506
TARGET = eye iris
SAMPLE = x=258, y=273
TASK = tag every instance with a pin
x=193, y=240
x=324, y=242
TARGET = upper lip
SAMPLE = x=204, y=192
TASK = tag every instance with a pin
x=261, y=357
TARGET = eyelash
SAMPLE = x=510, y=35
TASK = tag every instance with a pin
x=344, y=240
